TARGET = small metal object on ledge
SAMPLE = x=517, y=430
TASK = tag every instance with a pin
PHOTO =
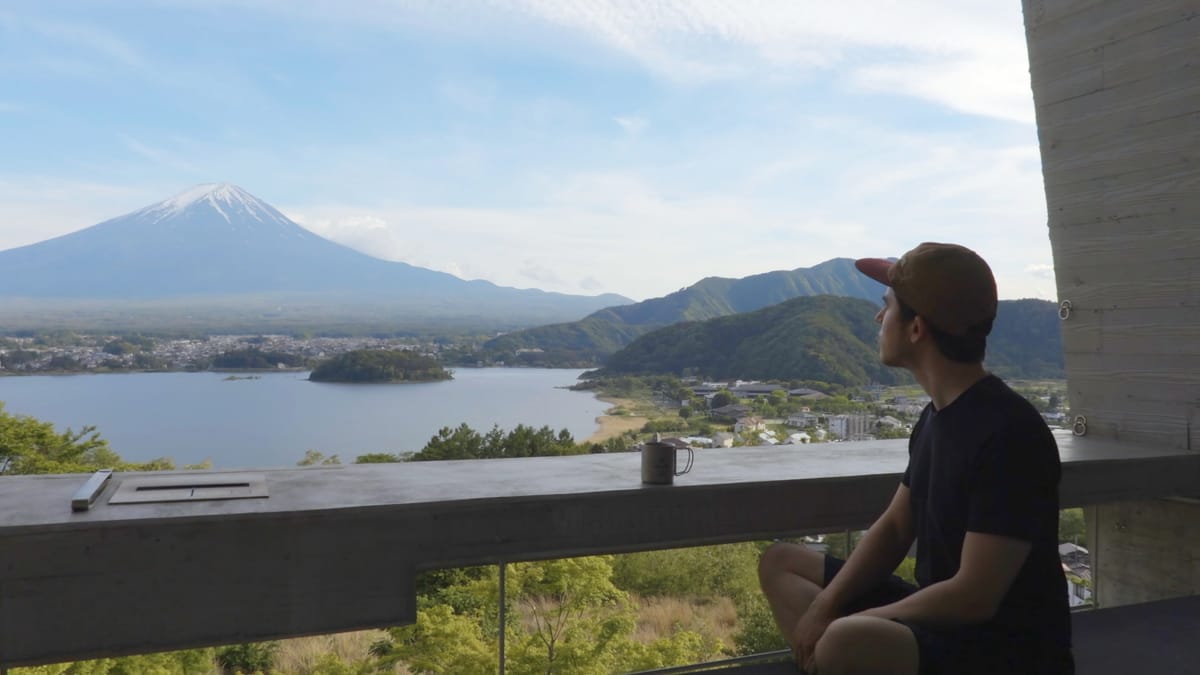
x=87, y=493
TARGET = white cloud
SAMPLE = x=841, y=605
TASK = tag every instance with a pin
x=632, y=124
x=591, y=284
x=967, y=55
x=624, y=232
x=1041, y=271
x=540, y=274
x=975, y=86
x=481, y=203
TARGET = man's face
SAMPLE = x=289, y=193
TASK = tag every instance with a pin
x=894, y=346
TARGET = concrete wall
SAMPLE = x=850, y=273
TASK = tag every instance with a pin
x=1145, y=550
x=1116, y=85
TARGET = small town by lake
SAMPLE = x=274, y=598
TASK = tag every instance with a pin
x=272, y=419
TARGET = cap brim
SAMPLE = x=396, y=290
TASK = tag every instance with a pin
x=876, y=268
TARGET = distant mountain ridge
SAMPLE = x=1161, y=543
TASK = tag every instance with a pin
x=218, y=240
x=830, y=339
x=608, y=330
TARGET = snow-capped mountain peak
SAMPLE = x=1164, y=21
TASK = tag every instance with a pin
x=226, y=199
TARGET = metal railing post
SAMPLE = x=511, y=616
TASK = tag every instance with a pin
x=503, y=613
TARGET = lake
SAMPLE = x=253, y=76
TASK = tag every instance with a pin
x=273, y=420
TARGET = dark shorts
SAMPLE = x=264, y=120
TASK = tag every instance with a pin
x=964, y=650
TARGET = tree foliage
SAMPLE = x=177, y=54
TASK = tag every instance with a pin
x=827, y=338
x=35, y=447
x=1072, y=527
x=564, y=616
x=608, y=330
x=463, y=442
x=379, y=365
x=705, y=572
x=254, y=358
x=823, y=338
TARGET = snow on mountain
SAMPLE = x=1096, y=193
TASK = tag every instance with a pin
x=218, y=239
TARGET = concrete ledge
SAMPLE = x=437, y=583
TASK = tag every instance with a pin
x=335, y=549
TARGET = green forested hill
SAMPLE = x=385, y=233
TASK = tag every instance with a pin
x=827, y=338
x=607, y=330
x=1026, y=340
x=379, y=365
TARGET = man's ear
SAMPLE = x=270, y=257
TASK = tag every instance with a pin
x=919, y=329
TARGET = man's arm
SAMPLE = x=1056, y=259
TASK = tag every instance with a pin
x=876, y=556
x=989, y=565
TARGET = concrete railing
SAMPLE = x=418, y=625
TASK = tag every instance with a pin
x=336, y=548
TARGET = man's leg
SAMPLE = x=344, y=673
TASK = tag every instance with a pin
x=790, y=575
x=867, y=645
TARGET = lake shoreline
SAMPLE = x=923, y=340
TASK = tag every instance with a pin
x=611, y=425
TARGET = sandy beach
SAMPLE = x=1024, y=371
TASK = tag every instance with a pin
x=615, y=425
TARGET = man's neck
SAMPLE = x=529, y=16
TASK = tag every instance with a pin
x=946, y=380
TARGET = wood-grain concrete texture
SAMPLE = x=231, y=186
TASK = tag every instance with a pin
x=1116, y=87
x=335, y=549
x=1117, y=91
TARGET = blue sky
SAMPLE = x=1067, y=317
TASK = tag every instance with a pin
x=628, y=146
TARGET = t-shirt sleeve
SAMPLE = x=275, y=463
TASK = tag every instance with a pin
x=906, y=480
x=1013, y=489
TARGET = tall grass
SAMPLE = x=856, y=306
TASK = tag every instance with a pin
x=662, y=616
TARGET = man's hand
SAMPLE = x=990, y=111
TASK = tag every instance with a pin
x=808, y=631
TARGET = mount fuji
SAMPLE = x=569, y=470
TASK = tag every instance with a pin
x=220, y=242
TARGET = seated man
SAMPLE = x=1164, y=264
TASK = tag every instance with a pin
x=979, y=497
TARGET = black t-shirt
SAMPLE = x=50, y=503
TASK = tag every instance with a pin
x=987, y=463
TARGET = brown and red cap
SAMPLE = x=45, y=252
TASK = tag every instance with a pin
x=949, y=285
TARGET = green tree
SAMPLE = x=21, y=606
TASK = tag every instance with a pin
x=187, y=662
x=119, y=347
x=723, y=397
x=315, y=458
x=463, y=442
x=564, y=616
x=253, y=657
x=579, y=617
x=441, y=641
x=378, y=458
x=705, y=572
x=778, y=399
x=757, y=632
x=379, y=365
x=33, y=446
x=1072, y=527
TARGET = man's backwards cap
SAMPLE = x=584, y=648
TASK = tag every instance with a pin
x=949, y=285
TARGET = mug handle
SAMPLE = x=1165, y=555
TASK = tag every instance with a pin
x=690, y=459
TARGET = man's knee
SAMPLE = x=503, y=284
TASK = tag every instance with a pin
x=787, y=558
x=859, y=644
x=842, y=637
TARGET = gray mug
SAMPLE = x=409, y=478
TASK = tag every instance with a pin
x=660, y=463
